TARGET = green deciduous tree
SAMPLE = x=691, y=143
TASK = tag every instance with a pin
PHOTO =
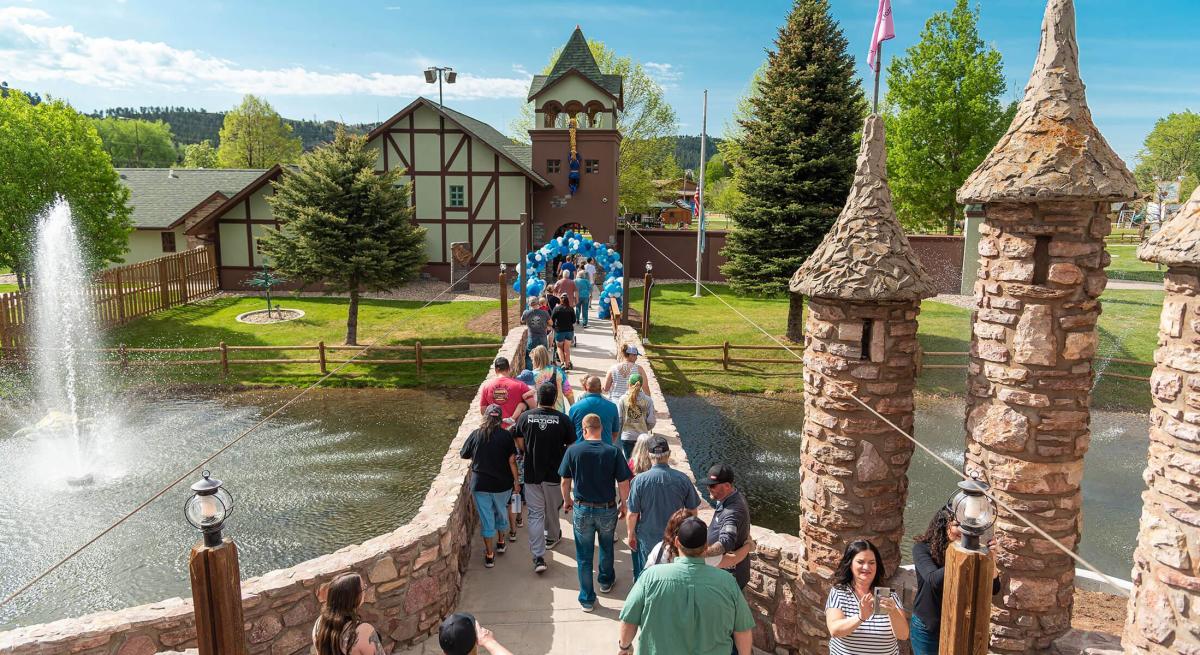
x=796, y=153
x=646, y=123
x=133, y=143
x=1171, y=150
x=254, y=136
x=49, y=150
x=200, y=155
x=344, y=225
x=945, y=116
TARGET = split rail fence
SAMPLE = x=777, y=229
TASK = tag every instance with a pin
x=124, y=293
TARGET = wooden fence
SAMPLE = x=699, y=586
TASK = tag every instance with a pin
x=125, y=293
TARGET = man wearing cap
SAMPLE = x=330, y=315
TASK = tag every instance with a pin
x=686, y=606
x=653, y=497
x=731, y=524
x=461, y=634
x=593, y=474
x=512, y=395
x=536, y=319
x=594, y=402
x=546, y=433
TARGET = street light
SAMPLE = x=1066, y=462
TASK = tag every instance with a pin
x=973, y=510
x=649, y=267
x=436, y=73
x=216, y=578
x=208, y=507
x=967, y=586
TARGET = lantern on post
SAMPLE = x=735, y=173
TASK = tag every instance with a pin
x=647, y=285
x=967, y=586
x=503, y=299
x=216, y=578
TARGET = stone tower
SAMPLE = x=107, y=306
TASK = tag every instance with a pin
x=865, y=287
x=575, y=114
x=1046, y=190
x=1164, y=610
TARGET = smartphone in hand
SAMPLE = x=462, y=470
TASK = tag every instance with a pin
x=880, y=594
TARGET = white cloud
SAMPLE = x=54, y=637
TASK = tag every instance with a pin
x=37, y=51
x=665, y=74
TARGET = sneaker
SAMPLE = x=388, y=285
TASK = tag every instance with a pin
x=605, y=588
x=551, y=543
x=587, y=607
x=512, y=535
x=539, y=564
x=489, y=561
x=501, y=547
x=520, y=521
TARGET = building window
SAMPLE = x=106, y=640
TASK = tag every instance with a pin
x=1041, y=259
x=552, y=165
x=457, y=198
x=591, y=165
x=168, y=242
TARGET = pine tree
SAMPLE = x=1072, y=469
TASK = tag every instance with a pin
x=344, y=225
x=797, y=152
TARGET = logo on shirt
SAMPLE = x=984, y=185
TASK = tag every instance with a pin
x=499, y=395
x=542, y=420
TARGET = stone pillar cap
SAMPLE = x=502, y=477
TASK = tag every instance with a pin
x=1052, y=150
x=1177, y=243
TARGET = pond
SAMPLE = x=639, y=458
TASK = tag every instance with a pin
x=336, y=468
x=760, y=436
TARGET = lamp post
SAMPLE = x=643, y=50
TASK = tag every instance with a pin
x=647, y=284
x=503, y=299
x=436, y=73
x=213, y=565
x=967, y=587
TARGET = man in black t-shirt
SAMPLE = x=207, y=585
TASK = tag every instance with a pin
x=547, y=433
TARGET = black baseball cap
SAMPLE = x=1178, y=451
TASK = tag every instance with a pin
x=717, y=474
x=693, y=533
x=457, y=634
x=658, y=445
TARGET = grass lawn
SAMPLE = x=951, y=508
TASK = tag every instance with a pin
x=208, y=323
x=8, y=288
x=1128, y=329
x=1126, y=266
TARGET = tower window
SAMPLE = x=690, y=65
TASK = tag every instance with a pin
x=864, y=348
x=873, y=345
x=1041, y=259
x=591, y=165
x=552, y=165
x=457, y=197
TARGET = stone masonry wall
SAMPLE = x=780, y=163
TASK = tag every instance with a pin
x=413, y=576
x=1029, y=385
x=1164, y=610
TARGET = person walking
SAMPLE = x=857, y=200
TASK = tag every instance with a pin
x=854, y=626
x=537, y=320
x=593, y=402
x=339, y=630
x=686, y=606
x=595, y=484
x=653, y=497
x=583, y=286
x=461, y=634
x=566, y=285
x=544, y=371
x=636, y=411
x=563, y=318
x=567, y=265
x=665, y=551
x=616, y=381
x=512, y=395
x=929, y=560
x=730, y=528
x=493, y=454
x=590, y=269
x=639, y=461
x=545, y=435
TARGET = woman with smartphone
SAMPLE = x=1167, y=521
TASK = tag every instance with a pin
x=863, y=616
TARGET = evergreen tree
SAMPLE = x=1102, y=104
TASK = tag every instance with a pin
x=796, y=152
x=254, y=136
x=344, y=225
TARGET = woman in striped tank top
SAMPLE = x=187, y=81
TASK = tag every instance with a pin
x=854, y=624
x=616, y=382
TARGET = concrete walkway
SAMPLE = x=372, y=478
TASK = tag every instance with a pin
x=532, y=613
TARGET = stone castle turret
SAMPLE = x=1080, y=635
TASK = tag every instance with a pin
x=865, y=287
x=1166, y=564
x=1046, y=190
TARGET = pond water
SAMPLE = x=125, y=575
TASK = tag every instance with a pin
x=336, y=468
x=760, y=436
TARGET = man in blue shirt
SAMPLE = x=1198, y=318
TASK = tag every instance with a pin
x=653, y=497
x=593, y=474
x=594, y=402
x=584, y=287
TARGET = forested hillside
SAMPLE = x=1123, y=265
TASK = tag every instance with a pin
x=195, y=125
x=687, y=150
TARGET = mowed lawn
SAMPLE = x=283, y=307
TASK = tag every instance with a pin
x=1128, y=330
x=208, y=323
x=1126, y=266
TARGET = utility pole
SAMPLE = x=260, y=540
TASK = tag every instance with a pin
x=700, y=194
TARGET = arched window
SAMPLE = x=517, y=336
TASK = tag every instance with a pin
x=573, y=108
x=595, y=114
x=551, y=111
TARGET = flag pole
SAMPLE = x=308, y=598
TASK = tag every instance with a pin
x=700, y=194
x=878, y=67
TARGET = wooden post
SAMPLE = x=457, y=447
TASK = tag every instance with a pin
x=321, y=356
x=5, y=342
x=504, y=303
x=164, y=288
x=919, y=360
x=217, y=598
x=181, y=268
x=525, y=248
x=725, y=356
x=647, y=285
x=417, y=350
x=224, y=360
x=966, y=602
x=120, y=299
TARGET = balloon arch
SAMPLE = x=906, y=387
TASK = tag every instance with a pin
x=573, y=243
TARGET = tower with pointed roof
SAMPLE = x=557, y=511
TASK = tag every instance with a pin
x=576, y=144
x=1045, y=191
x=1166, y=563
x=864, y=286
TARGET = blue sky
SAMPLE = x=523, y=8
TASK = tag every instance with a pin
x=361, y=61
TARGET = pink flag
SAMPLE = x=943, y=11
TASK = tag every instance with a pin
x=884, y=30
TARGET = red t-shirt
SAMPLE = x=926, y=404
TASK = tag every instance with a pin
x=504, y=391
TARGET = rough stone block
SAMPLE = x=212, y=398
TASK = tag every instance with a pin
x=1080, y=345
x=1034, y=341
x=1172, y=319
x=999, y=427
x=1063, y=273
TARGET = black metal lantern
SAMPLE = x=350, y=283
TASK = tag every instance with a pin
x=208, y=507
x=649, y=266
x=973, y=510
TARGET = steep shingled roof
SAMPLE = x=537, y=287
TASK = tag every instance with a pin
x=865, y=256
x=160, y=197
x=1178, y=242
x=1052, y=150
x=577, y=56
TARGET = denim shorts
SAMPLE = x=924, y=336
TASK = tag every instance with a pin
x=564, y=336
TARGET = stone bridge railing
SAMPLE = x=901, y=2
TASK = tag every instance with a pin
x=414, y=575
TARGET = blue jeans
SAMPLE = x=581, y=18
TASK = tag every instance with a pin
x=581, y=310
x=627, y=448
x=591, y=523
x=493, y=512
x=641, y=554
x=530, y=344
x=922, y=640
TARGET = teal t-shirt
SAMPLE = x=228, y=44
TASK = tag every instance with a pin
x=595, y=468
x=584, y=287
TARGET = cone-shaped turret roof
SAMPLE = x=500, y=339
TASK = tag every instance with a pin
x=1052, y=150
x=1178, y=242
x=865, y=256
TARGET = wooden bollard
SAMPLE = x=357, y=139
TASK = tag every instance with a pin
x=725, y=356
x=321, y=356
x=224, y=360
x=217, y=599
x=417, y=350
x=647, y=285
x=966, y=602
x=503, y=303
